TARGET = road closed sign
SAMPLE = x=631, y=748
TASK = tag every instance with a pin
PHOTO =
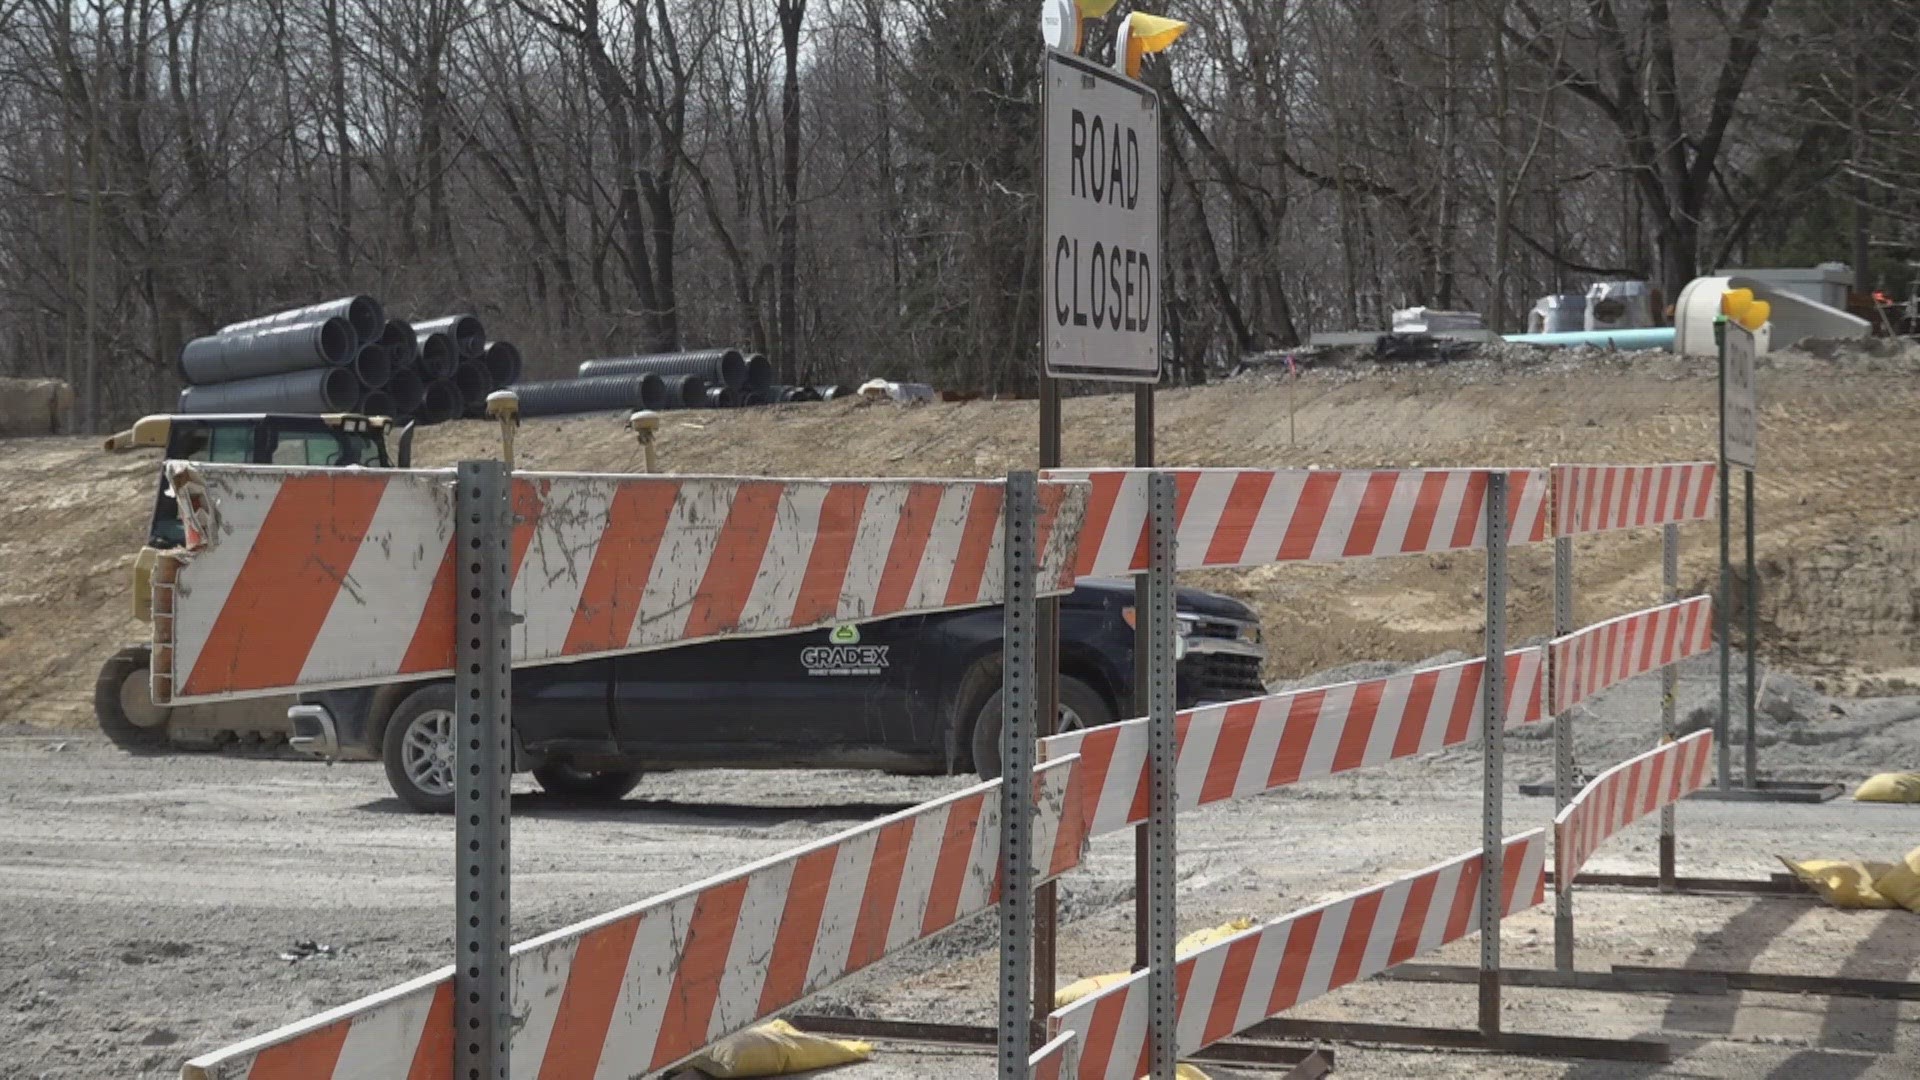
x=1740, y=400
x=1101, y=253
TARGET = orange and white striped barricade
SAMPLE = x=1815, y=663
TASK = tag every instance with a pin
x=1059, y=1059
x=1253, y=517
x=1588, y=500
x=1250, y=747
x=295, y=579
x=1623, y=795
x=305, y=579
x=641, y=989
x=1234, y=984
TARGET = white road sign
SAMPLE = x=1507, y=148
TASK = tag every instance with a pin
x=1740, y=401
x=1101, y=182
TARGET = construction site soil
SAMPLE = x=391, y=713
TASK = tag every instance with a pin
x=151, y=906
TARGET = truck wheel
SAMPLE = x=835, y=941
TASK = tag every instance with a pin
x=123, y=703
x=579, y=785
x=417, y=749
x=1081, y=706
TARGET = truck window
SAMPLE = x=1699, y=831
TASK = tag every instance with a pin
x=328, y=447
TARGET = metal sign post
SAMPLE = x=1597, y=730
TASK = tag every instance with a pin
x=1493, y=727
x=1739, y=446
x=1162, y=497
x=483, y=771
x=1723, y=748
x=1564, y=780
x=1100, y=319
x=1016, y=775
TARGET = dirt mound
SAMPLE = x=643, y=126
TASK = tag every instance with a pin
x=1840, y=474
x=33, y=406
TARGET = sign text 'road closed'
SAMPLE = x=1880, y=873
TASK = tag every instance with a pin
x=1102, y=207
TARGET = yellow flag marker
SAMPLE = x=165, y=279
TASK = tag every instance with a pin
x=1734, y=302
x=1142, y=34
x=1756, y=315
x=1094, y=9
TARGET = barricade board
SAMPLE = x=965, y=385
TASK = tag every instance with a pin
x=305, y=579
x=1229, y=986
x=1607, y=654
x=1248, y=747
x=1623, y=795
x=1251, y=517
x=1605, y=498
x=646, y=987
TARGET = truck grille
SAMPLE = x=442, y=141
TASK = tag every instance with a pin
x=1220, y=677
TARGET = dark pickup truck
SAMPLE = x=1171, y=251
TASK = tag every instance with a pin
x=914, y=694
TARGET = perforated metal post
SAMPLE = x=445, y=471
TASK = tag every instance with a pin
x=1016, y=775
x=1563, y=768
x=1493, y=757
x=1162, y=699
x=483, y=771
x=1723, y=773
x=1669, y=678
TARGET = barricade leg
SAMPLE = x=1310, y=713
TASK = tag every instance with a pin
x=1670, y=592
x=483, y=772
x=1563, y=768
x=1493, y=716
x=1753, y=642
x=1161, y=702
x=1016, y=776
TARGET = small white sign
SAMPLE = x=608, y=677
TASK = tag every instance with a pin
x=1101, y=185
x=1740, y=400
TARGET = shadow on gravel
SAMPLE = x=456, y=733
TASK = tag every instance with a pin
x=1734, y=947
x=664, y=812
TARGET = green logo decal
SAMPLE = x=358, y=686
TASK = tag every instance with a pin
x=845, y=635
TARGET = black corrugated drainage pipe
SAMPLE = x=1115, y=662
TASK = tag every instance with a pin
x=406, y=390
x=439, y=403
x=467, y=333
x=374, y=365
x=402, y=345
x=438, y=356
x=317, y=390
x=717, y=366
x=362, y=313
x=269, y=350
x=503, y=362
x=759, y=372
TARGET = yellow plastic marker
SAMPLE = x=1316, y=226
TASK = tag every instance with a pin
x=1142, y=34
x=1734, y=302
x=1756, y=315
x=1094, y=9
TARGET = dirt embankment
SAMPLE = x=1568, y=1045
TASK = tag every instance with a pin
x=1839, y=539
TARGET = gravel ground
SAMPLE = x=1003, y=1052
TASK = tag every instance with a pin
x=146, y=903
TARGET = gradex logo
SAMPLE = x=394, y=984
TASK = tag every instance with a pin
x=844, y=659
x=845, y=635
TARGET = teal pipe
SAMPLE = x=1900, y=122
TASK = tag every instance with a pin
x=1658, y=337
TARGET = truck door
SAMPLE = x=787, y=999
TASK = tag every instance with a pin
x=851, y=686
x=673, y=700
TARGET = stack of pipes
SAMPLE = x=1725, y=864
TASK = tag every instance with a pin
x=346, y=356
x=701, y=379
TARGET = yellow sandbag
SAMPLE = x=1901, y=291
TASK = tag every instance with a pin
x=1842, y=883
x=1200, y=939
x=1896, y=787
x=1901, y=885
x=1074, y=991
x=777, y=1048
x=1188, y=945
x=1185, y=1071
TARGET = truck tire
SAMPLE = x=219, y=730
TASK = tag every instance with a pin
x=568, y=784
x=417, y=749
x=1081, y=706
x=122, y=701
